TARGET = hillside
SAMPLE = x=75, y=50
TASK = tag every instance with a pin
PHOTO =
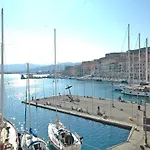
x=21, y=68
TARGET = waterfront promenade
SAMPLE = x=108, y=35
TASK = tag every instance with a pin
x=122, y=114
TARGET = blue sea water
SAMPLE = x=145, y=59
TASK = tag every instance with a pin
x=96, y=135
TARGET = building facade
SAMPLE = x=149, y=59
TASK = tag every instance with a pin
x=130, y=65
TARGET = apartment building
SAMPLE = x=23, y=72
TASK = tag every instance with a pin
x=72, y=71
x=130, y=65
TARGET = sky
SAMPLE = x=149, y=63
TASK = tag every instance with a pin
x=85, y=29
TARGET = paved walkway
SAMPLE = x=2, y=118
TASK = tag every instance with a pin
x=122, y=114
x=136, y=142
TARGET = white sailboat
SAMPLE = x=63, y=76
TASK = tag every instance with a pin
x=120, y=87
x=60, y=137
x=30, y=141
x=8, y=133
x=138, y=90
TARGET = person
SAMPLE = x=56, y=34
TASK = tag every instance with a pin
x=98, y=110
x=20, y=148
x=37, y=147
x=141, y=102
x=120, y=98
x=40, y=147
x=139, y=107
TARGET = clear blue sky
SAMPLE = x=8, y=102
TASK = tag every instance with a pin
x=86, y=29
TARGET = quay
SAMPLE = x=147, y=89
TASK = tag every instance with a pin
x=118, y=113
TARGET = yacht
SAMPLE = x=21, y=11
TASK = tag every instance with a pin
x=32, y=142
x=8, y=132
x=62, y=139
x=137, y=91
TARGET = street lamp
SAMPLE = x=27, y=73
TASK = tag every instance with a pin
x=144, y=114
x=112, y=94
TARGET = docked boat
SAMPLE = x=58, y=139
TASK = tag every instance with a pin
x=8, y=132
x=136, y=91
x=30, y=141
x=9, y=136
x=23, y=77
x=124, y=81
x=60, y=137
x=119, y=87
x=142, y=89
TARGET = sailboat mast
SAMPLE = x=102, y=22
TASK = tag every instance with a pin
x=146, y=59
x=2, y=65
x=25, y=111
x=55, y=60
x=28, y=86
x=133, y=67
x=55, y=72
x=139, y=59
x=129, y=51
x=26, y=100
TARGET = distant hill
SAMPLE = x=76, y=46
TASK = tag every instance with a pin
x=49, y=68
x=11, y=68
x=21, y=68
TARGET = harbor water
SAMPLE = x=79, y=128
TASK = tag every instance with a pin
x=96, y=135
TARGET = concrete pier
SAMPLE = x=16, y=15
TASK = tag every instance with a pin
x=121, y=114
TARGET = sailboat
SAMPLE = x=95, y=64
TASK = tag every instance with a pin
x=135, y=89
x=30, y=141
x=60, y=137
x=8, y=132
x=139, y=89
x=120, y=87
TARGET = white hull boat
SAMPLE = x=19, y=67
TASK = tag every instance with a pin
x=8, y=133
x=136, y=91
x=62, y=139
x=119, y=87
x=9, y=136
x=30, y=142
x=59, y=136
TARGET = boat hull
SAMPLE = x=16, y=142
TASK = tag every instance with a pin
x=135, y=93
x=10, y=133
x=118, y=87
x=57, y=143
x=30, y=142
